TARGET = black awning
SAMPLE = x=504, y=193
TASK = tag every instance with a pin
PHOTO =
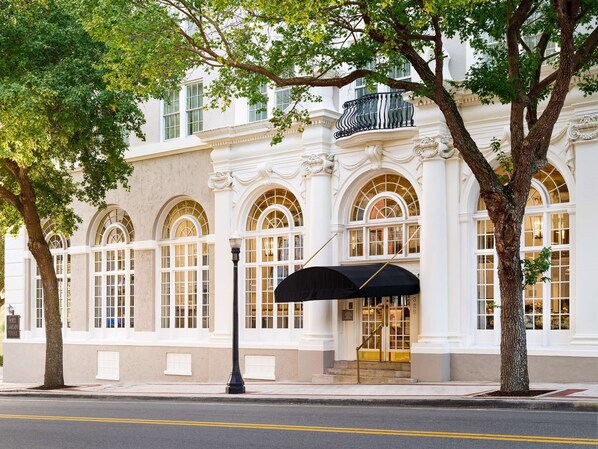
x=344, y=282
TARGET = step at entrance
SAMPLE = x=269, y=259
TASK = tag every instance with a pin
x=345, y=372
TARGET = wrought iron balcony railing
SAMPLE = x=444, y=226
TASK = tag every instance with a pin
x=386, y=110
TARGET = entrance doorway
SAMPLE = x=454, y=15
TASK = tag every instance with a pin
x=385, y=329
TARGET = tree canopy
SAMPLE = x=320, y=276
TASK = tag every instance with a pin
x=528, y=53
x=61, y=136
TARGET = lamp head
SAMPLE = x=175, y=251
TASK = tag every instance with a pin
x=235, y=241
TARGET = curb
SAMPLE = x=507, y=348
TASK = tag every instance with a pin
x=468, y=403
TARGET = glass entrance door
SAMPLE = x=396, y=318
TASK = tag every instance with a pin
x=389, y=318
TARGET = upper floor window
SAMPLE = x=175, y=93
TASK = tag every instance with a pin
x=189, y=100
x=546, y=223
x=62, y=266
x=283, y=97
x=273, y=250
x=194, y=108
x=401, y=71
x=361, y=86
x=114, y=276
x=184, y=268
x=383, y=219
x=259, y=111
x=172, y=117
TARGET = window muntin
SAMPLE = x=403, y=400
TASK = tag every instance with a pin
x=258, y=111
x=194, y=108
x=171, y=115
x=184, y=268
x=383, y=219
x=114, y=275
x=62, y=266
x=273, y=250
x=546, y=223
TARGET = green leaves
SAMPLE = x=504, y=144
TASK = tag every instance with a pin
x=534, y=269
x=57, y=113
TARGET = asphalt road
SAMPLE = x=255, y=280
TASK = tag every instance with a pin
x=110, y=424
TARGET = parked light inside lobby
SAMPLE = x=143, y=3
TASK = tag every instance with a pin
x=235, y=384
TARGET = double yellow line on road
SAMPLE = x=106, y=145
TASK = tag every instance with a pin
x=284, y=427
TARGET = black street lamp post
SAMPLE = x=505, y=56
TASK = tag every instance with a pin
x=235, y=383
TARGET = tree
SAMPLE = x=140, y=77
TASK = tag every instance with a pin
x=330, y=43
x=56, y=117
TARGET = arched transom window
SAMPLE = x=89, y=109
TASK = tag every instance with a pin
x=273, y=250
x=546, y=223
x=62, y=266
x=114, y=277
x=184, y=268
x=383, y=219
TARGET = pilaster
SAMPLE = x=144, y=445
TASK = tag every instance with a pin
x=222, y=183
x=317, y=169
x=583, y=135
x=430, y=355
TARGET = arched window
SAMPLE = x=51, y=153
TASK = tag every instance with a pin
x=383, y=219
x=273, y=250
x=546, y=223
x=184, y=268
x=114, y=278
x=62, y=266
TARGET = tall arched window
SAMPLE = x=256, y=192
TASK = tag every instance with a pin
x=546, y=223
x=62, y=266
x=273, y=250
x=114, y=278
x=383, y=219
x=184, y=268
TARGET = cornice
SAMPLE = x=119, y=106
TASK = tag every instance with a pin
x=262, y=130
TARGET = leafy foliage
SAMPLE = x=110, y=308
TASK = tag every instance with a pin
x=57, y=114
x=534, y=269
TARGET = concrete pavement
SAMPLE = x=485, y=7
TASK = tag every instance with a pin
x=446, y=394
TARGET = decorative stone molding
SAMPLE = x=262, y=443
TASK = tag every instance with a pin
x=314, y=164
x=220, y=180
x=432, y=147
x=586, y=128
x=374, y=154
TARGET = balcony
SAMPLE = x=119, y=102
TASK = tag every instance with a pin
x=386, y=110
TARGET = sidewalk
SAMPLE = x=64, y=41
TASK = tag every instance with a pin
x=583, y=397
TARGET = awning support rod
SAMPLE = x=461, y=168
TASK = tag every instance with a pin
x=321, y=248
x=382, y=267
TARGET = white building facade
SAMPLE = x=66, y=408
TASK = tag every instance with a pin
x=147, y=282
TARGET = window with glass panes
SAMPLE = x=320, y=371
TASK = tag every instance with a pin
x=171, y=115
x=259, y=111
x=361, y=86
x=184, y=268
x=62, y=267
x=383, y=219
x=546, y=224
x=273, y=250
x=194, y=108
x=114, y=276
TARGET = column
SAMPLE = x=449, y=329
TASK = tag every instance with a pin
x=584, y=245
x=316, y=349
x=430, y=355
x=222, y=272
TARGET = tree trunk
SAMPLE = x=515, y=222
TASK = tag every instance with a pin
x=53, y=375
x=513, y=352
